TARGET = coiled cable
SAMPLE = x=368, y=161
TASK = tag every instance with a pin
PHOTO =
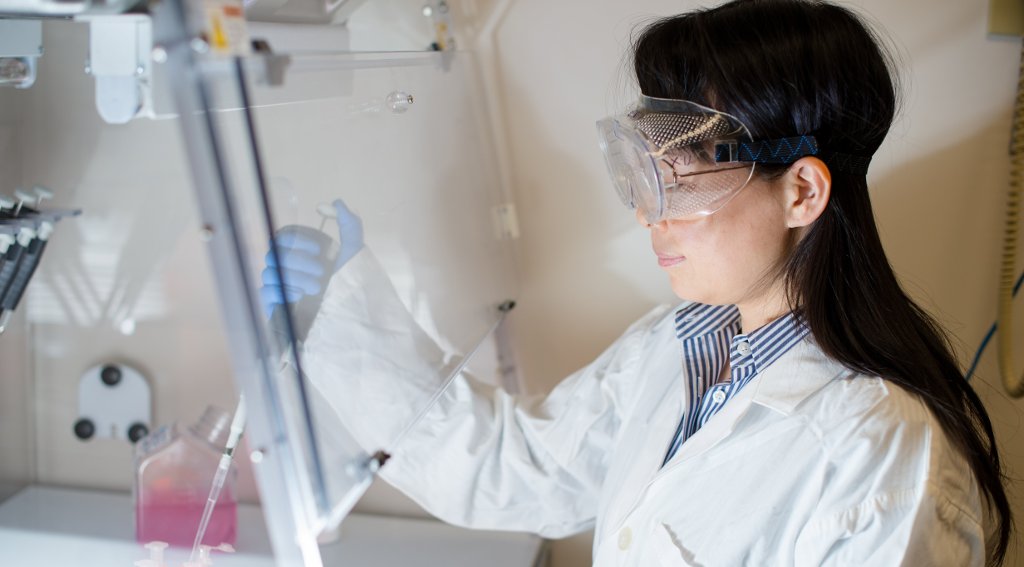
x=1014, y=385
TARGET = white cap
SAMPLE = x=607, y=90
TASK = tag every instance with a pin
x=156, y=552
x=327, y=210
x=204, y=554
x=44, y=232
x=26, y=235
x=24, y=195
x=5, y=242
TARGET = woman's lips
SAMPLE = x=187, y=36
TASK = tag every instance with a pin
x=667, y=261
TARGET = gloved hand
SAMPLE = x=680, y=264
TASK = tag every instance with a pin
x=303, y=253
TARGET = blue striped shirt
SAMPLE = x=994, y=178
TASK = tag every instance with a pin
x=709, y=334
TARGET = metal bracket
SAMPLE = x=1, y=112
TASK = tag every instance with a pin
x=444, y=39
x=274, y=65
x=21, y=45
x=114, y=402
x=119, y=60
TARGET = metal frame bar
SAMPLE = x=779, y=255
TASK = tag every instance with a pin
x=289, y=511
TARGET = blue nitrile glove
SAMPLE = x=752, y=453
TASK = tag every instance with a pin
x=304, y=253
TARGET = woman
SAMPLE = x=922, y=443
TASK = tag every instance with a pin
x=799, y=409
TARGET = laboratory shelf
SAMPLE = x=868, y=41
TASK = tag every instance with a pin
x=57, y=527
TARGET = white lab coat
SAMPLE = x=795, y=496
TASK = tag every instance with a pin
x=810, y=464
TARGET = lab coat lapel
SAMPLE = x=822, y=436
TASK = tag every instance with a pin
x=650, y=434
x=714, y=431
x=782, y=386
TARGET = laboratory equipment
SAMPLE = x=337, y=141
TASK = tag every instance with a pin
x=114, y=402
x=21, y=256
x=290, y=114
x=220, y=476
x=1013, y=383
x=21, y=45
x=305, y=258
x=156, y=553
x=174, y=469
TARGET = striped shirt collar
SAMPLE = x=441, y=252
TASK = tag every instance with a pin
x=760, y=347
x=708, y=333
x=696, y=320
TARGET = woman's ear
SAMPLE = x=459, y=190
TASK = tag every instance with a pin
x=808, y=186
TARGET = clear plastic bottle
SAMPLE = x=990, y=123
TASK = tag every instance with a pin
x=174, y=468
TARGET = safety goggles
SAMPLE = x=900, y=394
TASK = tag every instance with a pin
x=675, y=159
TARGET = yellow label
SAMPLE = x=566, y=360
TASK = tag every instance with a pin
x=218, y=39
x=226, y=29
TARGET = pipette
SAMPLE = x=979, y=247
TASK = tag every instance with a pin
x=235, y=433
x=16, y=280
x=13, y=256
x=26, y=269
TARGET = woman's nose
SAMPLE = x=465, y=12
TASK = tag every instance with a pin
x=640, y=218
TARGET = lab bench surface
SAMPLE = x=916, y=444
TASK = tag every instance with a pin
x=57, y=527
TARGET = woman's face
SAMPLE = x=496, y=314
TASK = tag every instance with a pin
x=724, y=258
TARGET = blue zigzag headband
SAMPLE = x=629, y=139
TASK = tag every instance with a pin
x=788, y=150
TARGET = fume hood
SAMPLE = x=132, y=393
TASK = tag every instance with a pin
x=188, y=134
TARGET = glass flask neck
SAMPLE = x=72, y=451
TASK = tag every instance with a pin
x=212, y=427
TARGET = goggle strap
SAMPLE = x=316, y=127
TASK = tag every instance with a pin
x=847, y=162
x=787, y=150
x=780, y=150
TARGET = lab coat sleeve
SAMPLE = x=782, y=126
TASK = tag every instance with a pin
x=481, y=458
x=899, y=494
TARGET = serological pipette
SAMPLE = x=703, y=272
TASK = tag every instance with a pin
x=11, y=296
x=219, y=477
x=15, y=252
x=23, y=233
x=23, y=274
x=5, y=204
x=7, y=239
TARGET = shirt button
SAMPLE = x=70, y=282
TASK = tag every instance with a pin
x=625, y=538
x=744, y=348
x=718, y=396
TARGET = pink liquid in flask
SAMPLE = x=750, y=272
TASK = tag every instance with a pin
x=176, y=520
x=175, y=468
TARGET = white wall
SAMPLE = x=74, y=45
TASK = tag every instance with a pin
x=938, y=184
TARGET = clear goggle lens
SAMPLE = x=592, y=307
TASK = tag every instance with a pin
x=665, y=158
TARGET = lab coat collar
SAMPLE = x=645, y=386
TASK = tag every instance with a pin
x=796, y=376
x=793, y=378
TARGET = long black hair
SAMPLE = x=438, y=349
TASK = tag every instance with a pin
x=791, y=67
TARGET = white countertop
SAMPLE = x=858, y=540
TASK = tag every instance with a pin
x=61, y=527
